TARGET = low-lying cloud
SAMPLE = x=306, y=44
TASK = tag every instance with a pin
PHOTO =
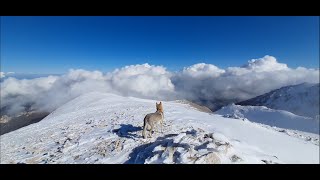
x=2, y=74
x=203, y=83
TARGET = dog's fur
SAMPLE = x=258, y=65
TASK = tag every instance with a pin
x=150, y=120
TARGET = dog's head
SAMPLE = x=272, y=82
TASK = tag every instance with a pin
x=159, y=107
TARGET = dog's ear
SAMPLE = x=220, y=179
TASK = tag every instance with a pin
x=160, y=103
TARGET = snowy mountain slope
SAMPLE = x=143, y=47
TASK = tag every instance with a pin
x=278, y=118
x=301, y=99
x=105, y=128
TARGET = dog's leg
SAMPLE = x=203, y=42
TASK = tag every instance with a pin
x=156, y=128
x=144, y=128
x=162, y=126
x=159, y=128
x=144, y=132
x=150, y=132
x=162, y=123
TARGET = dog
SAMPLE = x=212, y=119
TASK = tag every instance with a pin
x=150, y=120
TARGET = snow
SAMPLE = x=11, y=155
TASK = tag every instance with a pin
x=106, y=128
x=301, y=99
x=277, y=118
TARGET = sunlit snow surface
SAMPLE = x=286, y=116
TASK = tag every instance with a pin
x=105, y=128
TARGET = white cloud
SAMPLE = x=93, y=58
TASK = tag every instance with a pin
x=2, y=75
x=17, y=93
x=141, y=80
x=7, y=74
x=265, y=64
x=213, y=86
x=202, y=70
x=204, y=83
x=48, y=93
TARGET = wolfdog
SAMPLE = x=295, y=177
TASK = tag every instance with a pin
x=150, y=120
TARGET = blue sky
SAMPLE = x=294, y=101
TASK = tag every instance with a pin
x=56, y=44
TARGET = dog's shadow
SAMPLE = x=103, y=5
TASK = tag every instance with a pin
x=128, y=131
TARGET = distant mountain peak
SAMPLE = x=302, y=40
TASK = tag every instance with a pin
x=301, y=99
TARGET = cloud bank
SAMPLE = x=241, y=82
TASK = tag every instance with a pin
x=202, y=83
x=2, y=74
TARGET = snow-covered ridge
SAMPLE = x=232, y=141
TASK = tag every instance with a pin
x=271, y=117
x=301, y=99
x=106, y=128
